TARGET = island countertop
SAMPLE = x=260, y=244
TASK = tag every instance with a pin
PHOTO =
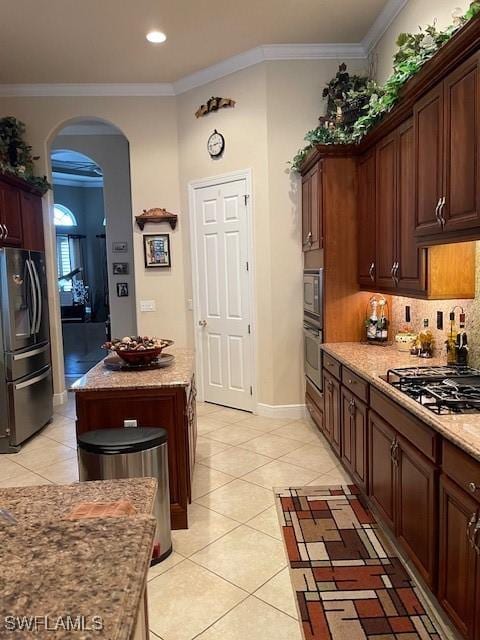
x=373, y=362
x=89, y=572
x=178, y=374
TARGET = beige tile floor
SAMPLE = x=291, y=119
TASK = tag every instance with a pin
x=227, y=578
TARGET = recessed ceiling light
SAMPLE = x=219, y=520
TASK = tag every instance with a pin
x=156, y=37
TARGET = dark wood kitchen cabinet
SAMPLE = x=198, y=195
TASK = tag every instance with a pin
x=386, y=214
x=381, y=471
x=10, y=215
x=32, y=222
x=459, y=585
x=312, y=208
x=354, y=436
x=416, y=508
x=366, y=220
x=447, y=157
x=331, y=412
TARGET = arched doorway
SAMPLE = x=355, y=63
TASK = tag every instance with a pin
x=90, y=169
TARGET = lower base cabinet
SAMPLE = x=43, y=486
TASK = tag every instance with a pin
x=459, y=569
x=403, y=490
x=381, y=472
x=354, y=437
x=331, y=413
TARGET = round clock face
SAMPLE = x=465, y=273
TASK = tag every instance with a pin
x=215, y=144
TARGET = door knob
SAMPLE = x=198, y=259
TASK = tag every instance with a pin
x=202, y=323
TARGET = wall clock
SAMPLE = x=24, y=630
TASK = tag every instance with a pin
x=216, y=144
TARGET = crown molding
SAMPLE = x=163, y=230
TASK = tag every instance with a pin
x=381, y=24
x=264, y=53
x=161, y=89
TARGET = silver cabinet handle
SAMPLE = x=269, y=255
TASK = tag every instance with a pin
x=371, y=272
x=202, y=323
x=393, y=272
x=476, y=532
x=1, y=232
x=309, y=239
x=472, y=487
x=440, y=211
x=397, y=267
x=470, y=526
x=30, y=354
x=437, y=211
x=6, y=230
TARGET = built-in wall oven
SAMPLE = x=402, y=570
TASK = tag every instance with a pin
x=313, y=325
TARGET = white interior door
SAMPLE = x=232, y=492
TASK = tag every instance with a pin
x=222, y=242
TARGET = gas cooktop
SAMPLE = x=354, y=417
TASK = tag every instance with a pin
x=444, y=390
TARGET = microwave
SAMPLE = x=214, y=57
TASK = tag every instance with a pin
x=313, y=295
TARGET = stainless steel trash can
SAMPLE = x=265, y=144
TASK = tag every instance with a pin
x=131, y=452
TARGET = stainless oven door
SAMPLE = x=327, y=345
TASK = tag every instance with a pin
x=312, y=294
x=313, y=355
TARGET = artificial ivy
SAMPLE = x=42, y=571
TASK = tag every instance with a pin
x=16, y=156
x=414, y=50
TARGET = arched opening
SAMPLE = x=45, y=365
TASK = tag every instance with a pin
x=91, y=223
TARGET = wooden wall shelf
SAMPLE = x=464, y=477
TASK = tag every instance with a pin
x=156, y=215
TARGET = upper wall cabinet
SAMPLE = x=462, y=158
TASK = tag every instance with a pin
x=312, y=208
x=21, y=222
x=366, y=220
x=447, y=158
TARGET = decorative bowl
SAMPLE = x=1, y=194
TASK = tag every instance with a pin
x=138, y=351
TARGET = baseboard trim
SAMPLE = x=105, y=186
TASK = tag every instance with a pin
x=292, y=411
x=60, y=398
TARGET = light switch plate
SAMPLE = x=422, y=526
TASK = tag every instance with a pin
x=148, y=305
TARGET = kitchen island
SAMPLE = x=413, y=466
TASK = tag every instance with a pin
x=106, y=398
x=419, y=469
x=83, y=577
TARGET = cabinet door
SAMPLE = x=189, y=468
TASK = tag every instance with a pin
x=316, y=198
x=458, y=561
x=428, y=124
x=332, y=419
x=366, y=220
x=386, y=189
x=381, y=469
x=306, y=211
x=417, y=509
x=462, y=147
x=411, y=271
x=354, y=437
x=32, y=221
x=348, y=430
x=10, y=216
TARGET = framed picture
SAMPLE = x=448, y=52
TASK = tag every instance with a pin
x=120, y=268
x=122, y=289
x=119, y=247
x=157, y=250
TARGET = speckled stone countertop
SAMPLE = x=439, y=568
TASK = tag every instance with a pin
x=179, y=374
x=371, y=362
x=90, y=571
x=53, y=502
x=83, y=568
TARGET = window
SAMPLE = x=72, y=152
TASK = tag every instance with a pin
x=64, y=265
x=63, y=217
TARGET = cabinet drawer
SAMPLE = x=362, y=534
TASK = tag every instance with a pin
x=415, y=431
x=357, y=385
x=332, y=365
x=461, y=468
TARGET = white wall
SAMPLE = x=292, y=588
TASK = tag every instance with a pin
x=415, y=14
x=111, y=153
x=277, y=102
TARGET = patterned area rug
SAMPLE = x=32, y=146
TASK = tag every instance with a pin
x=349, y=583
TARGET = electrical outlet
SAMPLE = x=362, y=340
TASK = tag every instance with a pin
x=148, y=305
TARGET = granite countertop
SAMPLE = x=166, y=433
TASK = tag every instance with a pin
x=371, y=362
x=86, y=570
x=179, y=374
x=93, y=567
x=49, y=502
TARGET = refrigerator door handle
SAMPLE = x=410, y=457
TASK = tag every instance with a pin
x=39, y=296
x=29, y=354
x=33, y=290
x=32, y=381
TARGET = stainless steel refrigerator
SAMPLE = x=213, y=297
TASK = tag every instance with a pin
x=26, y=394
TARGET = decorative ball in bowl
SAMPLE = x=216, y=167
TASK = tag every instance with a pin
x=138, y=350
